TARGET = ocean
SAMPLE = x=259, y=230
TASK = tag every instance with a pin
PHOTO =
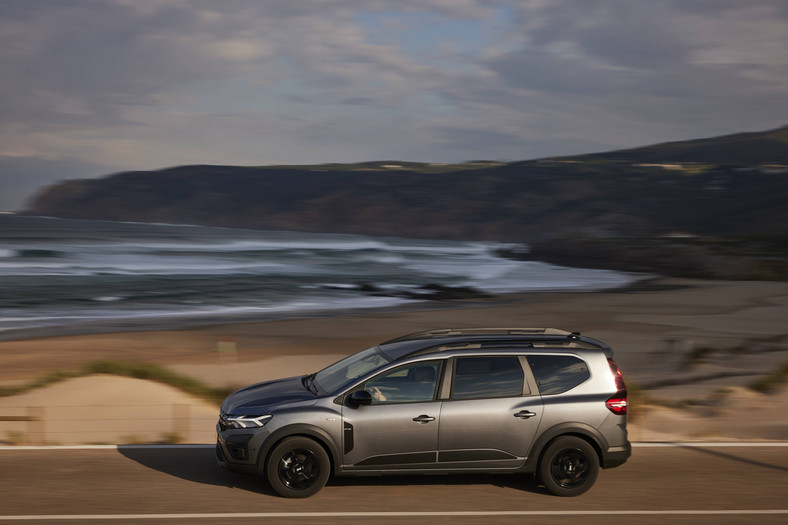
x=62, y=276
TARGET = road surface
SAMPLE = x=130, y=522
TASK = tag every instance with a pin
x=174, y=486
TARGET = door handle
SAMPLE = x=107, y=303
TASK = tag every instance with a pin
x=424, y=418
x=524, y=414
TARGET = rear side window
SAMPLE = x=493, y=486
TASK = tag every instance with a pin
x=556, y=374
x=482, y=377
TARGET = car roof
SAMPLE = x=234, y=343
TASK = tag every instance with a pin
x=444, y=339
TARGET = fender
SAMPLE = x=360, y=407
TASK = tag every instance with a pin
x=299, y=429
x=575, y=428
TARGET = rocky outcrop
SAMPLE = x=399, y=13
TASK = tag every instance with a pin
x=705, y=258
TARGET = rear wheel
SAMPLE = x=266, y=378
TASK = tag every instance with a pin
x=297, y=467
x=569, y=466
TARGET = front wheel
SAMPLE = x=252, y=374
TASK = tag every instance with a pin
x=569, y=466
x=297, y=467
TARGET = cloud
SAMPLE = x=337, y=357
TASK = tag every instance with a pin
x=142, y=84
x=684, y=68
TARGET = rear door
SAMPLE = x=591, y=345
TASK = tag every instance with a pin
x=491, y=417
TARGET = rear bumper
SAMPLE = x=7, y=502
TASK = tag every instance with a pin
x=616, y=456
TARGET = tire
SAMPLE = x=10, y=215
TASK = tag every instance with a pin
x=298, y=467
x=569, y=466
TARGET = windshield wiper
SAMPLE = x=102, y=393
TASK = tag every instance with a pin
x=309, y=383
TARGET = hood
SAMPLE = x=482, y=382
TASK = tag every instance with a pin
x=267, y=395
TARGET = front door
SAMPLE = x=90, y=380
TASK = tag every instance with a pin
x=399, y=430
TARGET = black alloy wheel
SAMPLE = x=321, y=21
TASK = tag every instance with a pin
x=569, y=466
x=298, y=467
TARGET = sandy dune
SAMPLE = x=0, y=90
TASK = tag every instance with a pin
x=108, y=409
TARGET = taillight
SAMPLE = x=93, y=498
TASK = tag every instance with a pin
x=617, y=375
x=618, y=402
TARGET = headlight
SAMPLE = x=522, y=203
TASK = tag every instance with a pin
x=227, y=421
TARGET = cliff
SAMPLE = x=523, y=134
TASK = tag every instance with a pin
x=733, y=185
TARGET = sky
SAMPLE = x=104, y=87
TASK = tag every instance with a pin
x=93, y=87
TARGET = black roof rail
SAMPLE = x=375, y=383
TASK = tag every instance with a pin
x=455, y=332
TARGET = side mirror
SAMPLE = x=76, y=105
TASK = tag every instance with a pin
x=359, y=398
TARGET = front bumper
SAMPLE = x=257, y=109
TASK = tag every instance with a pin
x=237, y=450
x=222, y=458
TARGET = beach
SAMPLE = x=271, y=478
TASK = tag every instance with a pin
x=689, y=350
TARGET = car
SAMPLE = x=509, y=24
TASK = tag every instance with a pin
x=537, y=401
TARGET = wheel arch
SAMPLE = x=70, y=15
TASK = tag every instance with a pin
x=581, y=430
x=317, y=434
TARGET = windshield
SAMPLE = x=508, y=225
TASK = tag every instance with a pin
x=341, y=374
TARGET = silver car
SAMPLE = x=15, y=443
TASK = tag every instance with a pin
x=509, y=400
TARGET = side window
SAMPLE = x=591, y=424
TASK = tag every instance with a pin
x=556, y=374
x=482, y=377
x=410, y=383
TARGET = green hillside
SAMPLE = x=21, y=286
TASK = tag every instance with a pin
x=744, y=149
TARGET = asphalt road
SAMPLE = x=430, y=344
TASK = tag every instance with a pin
x=708, y=484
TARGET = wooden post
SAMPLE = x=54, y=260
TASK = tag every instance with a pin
x=36, y=426
x=181, y=422
x=227, y=349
